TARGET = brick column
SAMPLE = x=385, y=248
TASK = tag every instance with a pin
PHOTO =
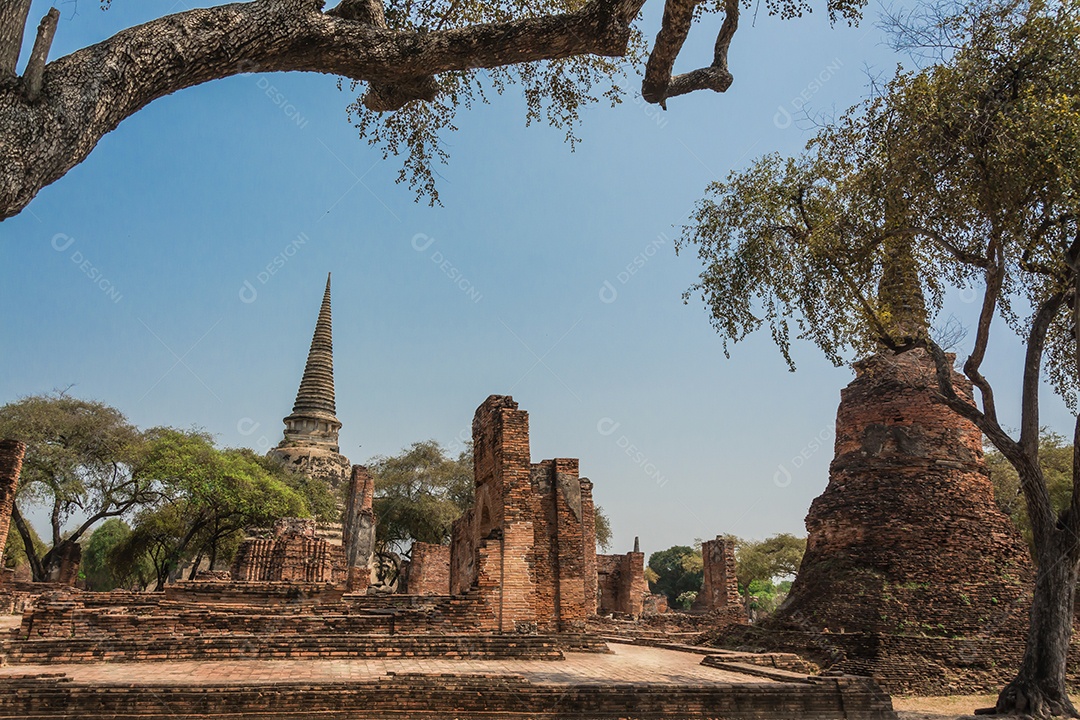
x=11, y=460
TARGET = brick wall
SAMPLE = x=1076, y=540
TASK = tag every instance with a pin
x=294, y=554
x=528, y=544
x=720, y=588
x=11, y=459
x=621, y=579
x=358, y=531
x=429, y=570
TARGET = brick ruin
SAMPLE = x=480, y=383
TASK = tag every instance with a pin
x=293, y=553
x=719, y=594
x=528, y=544
x=428, y=572
x=621, y=585
x=358, y=521
x=11, y=460
x=906, y=546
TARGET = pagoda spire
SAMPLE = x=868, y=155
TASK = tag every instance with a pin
x=316, y=393
x=314, y=422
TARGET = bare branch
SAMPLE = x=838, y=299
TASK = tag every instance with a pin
x=659, y=85
x=35, y=66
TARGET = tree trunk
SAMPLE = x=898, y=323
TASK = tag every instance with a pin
x=1039, y=688
x=39, y=571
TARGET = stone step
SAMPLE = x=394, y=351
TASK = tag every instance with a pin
x=240, y=646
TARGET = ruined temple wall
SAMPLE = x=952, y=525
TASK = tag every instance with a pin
x=536, y=518
x=429, y=570
x=561, y=544
x=11, y=460
x=621, y=582
x=294, y=554
x=588, y=523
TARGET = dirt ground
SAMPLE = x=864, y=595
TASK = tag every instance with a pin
x=954, y=707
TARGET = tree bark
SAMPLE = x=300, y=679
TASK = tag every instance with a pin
x=88, y=93
x=13, y=14
x=1039, y=688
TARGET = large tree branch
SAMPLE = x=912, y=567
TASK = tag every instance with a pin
x=1040, y=510
x=659, y=85
x=995, y=276
x=89, y=92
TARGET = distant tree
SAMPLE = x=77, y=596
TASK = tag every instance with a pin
x=419, y=493
x=603, y=529
x=97, y=569
x=764, y=561
x=677, y=571
x=78, y=465
x=761, y=567
x=15, y=553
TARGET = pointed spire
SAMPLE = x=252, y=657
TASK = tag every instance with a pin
x=900, y=294
x=316, y=393
x=313, y=422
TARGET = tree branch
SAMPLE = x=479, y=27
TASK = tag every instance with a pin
x=13, y=14
x=659, y=85
x=995, y=276
x=89, y=92
x=384, y=97
x=35, y=66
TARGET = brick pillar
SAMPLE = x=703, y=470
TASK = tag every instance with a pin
x=720, y=589
x=70, y=559
x=570, y=539
x=11, y=460
x=501, y=458
x=588, y=528
x=359, y=519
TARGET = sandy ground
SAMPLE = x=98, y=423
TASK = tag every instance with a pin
x=952, y=707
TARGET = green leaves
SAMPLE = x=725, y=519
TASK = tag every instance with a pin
x=419, y=493
x=965, y=166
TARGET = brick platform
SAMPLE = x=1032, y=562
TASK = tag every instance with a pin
x=631, y=683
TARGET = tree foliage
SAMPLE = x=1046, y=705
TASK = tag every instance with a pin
x=603, y=529
x=1055, y=458
x=419, y=493
x=677, y=571
x=97, y=569
x=208, y=497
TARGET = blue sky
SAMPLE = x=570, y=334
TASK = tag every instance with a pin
x=141, y=278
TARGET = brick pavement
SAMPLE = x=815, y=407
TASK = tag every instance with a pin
x=628, y=664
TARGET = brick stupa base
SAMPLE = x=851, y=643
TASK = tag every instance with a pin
x=912, y=574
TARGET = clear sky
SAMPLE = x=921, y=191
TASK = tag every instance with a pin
x=210, y=219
